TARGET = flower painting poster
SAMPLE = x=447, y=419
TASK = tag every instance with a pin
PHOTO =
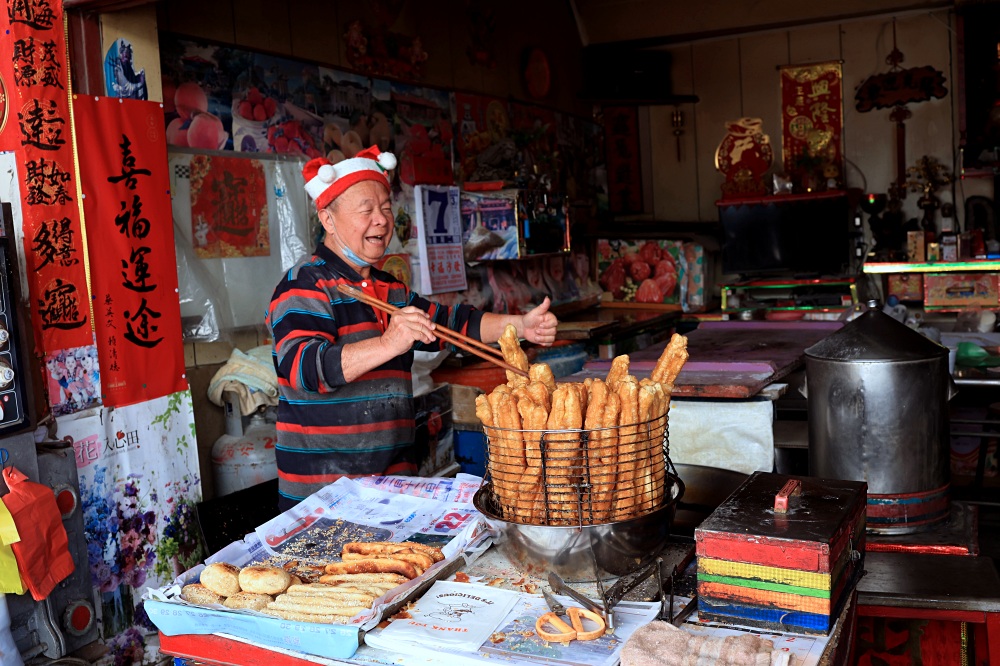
x=139, y=484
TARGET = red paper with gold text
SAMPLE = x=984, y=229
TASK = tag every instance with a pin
x=812, y=118
x=38, y=130
x=123, y=169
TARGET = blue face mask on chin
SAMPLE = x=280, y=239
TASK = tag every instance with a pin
x=353, y=258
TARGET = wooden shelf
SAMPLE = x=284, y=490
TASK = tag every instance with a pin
x=933, y=267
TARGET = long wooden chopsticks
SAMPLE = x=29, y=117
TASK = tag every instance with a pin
x=470, y=345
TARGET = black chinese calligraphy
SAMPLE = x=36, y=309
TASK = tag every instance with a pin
x=47, y=183
x=37, y=14
x=233, y=207
x=138, y=327
x=53, y=242
x=36, y=62
x=129, y=219
x=113, y=353
x=109, y=312
x=41, y=125
x=59, y=306
x=136, y=271
x=129, y=170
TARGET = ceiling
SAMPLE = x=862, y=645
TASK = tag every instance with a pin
x=660, y=22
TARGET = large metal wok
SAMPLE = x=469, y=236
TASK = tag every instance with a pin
x=705, y=488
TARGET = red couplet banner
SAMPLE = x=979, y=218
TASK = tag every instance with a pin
x=35, y=124
x=126, y=189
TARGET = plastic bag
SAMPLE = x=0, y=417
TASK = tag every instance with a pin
x=42, y=554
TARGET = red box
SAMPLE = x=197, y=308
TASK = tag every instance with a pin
x=961, y=290
x=789, y=571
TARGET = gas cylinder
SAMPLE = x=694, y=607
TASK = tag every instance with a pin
x=243, y=458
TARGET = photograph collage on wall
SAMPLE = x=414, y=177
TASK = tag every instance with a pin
x=223, y=98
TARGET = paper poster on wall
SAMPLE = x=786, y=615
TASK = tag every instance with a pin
x=120, y=77
x=538, y=164
x=489, y=225
x=139, y=485
x=228, y=207
x=812, y=122
x=423, y=134
x=358, y=114
x=73, y=380
x=484, y=144
x=439, y=237
x=637, y=271
x=133, y=265
x=621, y=132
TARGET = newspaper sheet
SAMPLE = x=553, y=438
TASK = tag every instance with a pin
x=315, y=531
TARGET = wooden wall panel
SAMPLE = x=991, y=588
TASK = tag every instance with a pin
x=201, y=18
x=465, y=75
x=502, y=79
x=435, y=34
x=262, y=25
x=316, y=31
x=716, y=80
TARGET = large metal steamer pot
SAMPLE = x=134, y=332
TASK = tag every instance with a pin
x=583, y=553
x=878, y=396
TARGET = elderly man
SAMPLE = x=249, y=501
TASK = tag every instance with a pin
x=346, y=405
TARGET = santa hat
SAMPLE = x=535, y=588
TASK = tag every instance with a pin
x=325, y=181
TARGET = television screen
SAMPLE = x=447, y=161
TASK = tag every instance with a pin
x=786, y=235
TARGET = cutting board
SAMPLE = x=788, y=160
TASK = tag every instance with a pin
x=732, y=359
x=583, y=330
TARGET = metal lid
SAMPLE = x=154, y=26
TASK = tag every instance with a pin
x=875, y=336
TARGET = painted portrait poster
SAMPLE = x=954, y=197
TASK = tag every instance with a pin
x=72, y=379
x=484, y=141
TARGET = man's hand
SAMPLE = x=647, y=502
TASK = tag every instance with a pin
x=539, y=325
x=407, y=326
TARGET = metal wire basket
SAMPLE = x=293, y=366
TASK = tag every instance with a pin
x=579, y=477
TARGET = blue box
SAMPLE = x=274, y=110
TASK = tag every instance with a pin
x=470, y=451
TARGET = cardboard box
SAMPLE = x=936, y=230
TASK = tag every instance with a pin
x=906, y=286
x=959, y=290
x=463, y=405
x=434, y=433
x=915, y=249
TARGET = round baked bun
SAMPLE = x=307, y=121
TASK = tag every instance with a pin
x=294, y=580
x=250, y=600
x=221, y=578
x=196, y=593
x=264, y=580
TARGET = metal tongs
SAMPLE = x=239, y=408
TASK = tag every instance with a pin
x=629, y=582
x=559, y=586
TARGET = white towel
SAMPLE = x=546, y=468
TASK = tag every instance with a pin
x=250, y=375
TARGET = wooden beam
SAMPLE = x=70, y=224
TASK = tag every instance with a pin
x=87, y=62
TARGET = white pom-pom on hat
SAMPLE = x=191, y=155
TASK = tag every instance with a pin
x=387, y=161
x=327, y=173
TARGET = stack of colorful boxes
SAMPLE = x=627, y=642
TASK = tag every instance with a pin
x=789, y=570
